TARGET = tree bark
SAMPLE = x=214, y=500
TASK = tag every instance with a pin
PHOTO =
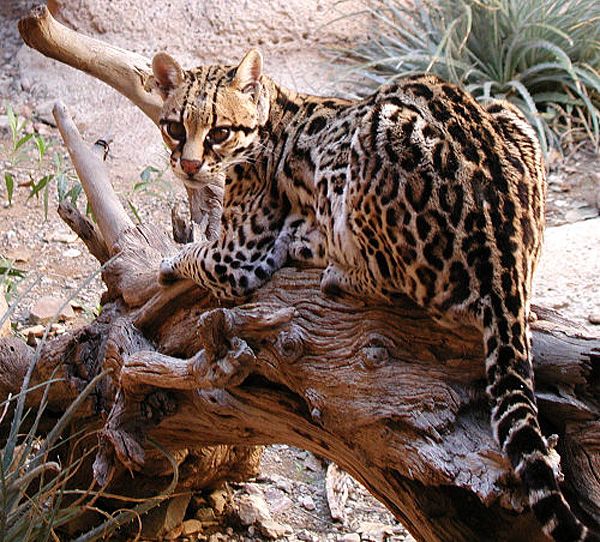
x=382, y=391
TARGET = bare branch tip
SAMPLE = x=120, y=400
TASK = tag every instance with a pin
x=34, y=17
x=59, y=111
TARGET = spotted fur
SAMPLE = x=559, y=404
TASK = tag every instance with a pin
x=417, y=190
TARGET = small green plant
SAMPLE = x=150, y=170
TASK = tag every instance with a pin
x=27, y=155
x=10, y=276
x=152, y=182
x=542, y=55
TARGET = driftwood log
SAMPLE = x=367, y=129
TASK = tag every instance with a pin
x=382, y=391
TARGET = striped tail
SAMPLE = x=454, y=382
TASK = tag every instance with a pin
x=516, y=428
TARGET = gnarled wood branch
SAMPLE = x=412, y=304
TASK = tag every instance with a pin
x=127, y=72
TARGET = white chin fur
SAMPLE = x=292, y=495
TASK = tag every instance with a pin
x=201, y=181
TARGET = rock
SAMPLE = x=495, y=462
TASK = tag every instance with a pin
x=59, y=236
x=351, y=537
x=43, y=112
x=205, y=515
x=307, y=502
x=279, y=503
x=253, y=489
x=581, y=213
x=191, y=526
x=35, y=331
x=19, y=254
x=42, y=129
x=71, y=253
x=47, y=308
x=4, y=125
x=301, y=454
x=10, y=237
x=173, y=534
x=306, y=536
x=594, y=318
x=375, y=531
x=337, y=484
x=26, y=84
x=253, y=509
x=166, y=518
x=218, y=500
x=312, y=463
x=5, y=329
x=284, y=484
x=273, y=530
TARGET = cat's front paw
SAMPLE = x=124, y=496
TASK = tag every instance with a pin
x=167, y=274
x=332, y=282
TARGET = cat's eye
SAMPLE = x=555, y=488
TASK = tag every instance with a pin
x=217, y=135
x=176, y=130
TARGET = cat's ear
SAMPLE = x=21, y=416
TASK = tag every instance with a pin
x=167, y=73
x=248, y=73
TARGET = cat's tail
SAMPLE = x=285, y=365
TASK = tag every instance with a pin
x=516, y=426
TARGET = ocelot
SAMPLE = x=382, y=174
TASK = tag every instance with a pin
x=417, y=190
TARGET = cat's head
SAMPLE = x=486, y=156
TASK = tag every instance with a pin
x=211, y=116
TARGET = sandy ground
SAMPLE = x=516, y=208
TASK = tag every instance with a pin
x=292, y=35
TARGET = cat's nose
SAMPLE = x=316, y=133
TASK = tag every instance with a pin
x=191, y=167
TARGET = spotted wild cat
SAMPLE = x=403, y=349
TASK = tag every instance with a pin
x=417, y=190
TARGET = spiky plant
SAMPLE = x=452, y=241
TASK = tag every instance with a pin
x=542, y=55
x=36, y=500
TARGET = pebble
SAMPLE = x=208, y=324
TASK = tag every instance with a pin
x=36, y=331
x=594, y=318
x=253, y=509
x=72, y=253
x=46, y=308
x=43, y=112
x=375, y=531
x=306, y=536
x=205, y=515
x=59, y=236
x=279, y=504
x=351, y=537
x=19, y=254
x=218, y=500
x=283, y=484
x=25, y=84
x=581, y=213
x=274, y=530
x=253, y=489
x=307, y=502
x=191, y=526
x=312, y=463
x=10, y=236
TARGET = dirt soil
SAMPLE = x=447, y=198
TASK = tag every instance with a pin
x=292, y=35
